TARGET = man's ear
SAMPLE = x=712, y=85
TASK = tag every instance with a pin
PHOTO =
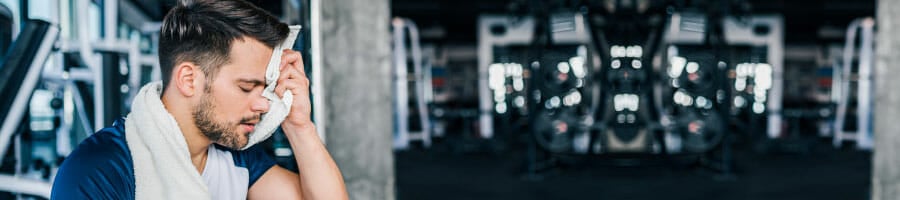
x=186, y=77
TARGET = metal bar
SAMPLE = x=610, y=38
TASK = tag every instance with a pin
x=87, y=56
x=25, y=186
x=401, y=88
x=843, y=101
x=485, y=57
x=134, y=72
x=420, y=82
x=110, y=19
x=63, y=138
x=316, y=52
x=17, y=153
x=864, y=101
x=776, y=59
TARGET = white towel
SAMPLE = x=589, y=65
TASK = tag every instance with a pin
x=278, y=108
x=162, y=162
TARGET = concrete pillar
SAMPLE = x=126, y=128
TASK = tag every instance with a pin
x=886, y=158
x=355, y=71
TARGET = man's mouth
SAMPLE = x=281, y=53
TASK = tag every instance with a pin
x=249, y=123
x=248, y=126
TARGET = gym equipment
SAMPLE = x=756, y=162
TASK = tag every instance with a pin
x=762, y=31
x=57, y=87
x=693, y=85
x=695, y=99
x=864, y=91
x=628, y=37
x=557, y=84
x=516, y=84
x=421, y=79
x=545, y=90
x=657, y=78
x=21, y=74
x=505, y=56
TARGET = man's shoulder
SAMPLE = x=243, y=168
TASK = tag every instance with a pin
x=100, y=165
x=106, y=145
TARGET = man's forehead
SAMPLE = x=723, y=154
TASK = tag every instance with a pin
x=249, y=59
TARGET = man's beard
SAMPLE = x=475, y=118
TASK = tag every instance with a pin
x=222, y=133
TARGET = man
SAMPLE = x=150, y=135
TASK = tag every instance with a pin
x=213, y=55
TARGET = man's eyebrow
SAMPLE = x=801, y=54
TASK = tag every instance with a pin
x=253, y=81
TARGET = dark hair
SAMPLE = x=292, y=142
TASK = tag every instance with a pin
x=202, y=31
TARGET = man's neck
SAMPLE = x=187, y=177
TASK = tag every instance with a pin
x=198, y=144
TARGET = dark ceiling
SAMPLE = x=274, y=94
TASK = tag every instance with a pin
x=803, y=18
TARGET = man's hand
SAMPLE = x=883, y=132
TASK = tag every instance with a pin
x=319, y=176
x=293, y=78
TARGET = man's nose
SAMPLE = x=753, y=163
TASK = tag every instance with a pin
x=260, y=104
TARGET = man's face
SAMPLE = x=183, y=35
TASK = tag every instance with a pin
x=231, y=105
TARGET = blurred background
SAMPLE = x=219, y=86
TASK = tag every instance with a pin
x=512, y=99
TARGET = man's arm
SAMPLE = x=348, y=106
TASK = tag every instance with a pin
x=319, y=176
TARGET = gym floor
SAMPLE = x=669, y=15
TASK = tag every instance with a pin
x=822, y=172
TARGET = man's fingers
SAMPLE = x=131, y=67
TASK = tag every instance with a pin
x=291, y=57
x=293, y=78
x=295, y=60
x=279, y=89
x=290, y=73
x=290, y=80
x=284, y=86
x=295, y=86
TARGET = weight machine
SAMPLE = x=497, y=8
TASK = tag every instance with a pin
x=656, y=77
